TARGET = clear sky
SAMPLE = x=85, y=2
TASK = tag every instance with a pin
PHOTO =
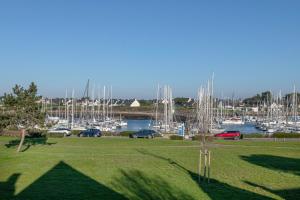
x=250, y=45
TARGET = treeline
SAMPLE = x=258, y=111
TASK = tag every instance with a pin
x=267, y=98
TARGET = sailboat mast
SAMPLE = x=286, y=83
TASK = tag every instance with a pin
x=156, y=107
x=66, y=103
x=104, y=103
x=111, y=103
x=212, y=101
x=72, y=125
x=99, y=103
x=93, y=104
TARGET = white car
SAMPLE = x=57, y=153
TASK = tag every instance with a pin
x=64, y=131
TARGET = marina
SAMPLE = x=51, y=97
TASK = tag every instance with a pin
x=204, y=114
x=135, y=125
x=150, y=100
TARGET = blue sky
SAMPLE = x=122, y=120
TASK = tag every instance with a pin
x=251, y=46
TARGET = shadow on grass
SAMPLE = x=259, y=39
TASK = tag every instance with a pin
x=7, y=189
x=215, y=190
x=284, y=164
x=137, y=185
x=289, y=165
x=288, y=194
x=61, y=182
x=65, y=182
x=28, y=142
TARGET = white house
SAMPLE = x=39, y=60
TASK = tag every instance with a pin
x=135, y=104
x=255, y=109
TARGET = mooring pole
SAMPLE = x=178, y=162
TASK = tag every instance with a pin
x=209, y=166
x=205, y=165
x=200, y=166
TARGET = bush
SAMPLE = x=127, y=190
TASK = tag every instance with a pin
x=55, y=135
x=176, y=137
x=29, y=133
x=200, y=137
x=126, y=133
x=75, y=132
x=169, y=133
x=10, y=133
x=36, y=133
x=286, y=135
x=254, y=135
x=105, y=133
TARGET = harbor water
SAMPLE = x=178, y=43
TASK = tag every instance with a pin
x=135, y=125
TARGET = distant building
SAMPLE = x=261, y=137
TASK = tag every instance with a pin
x=255, y=109
x=135, y=104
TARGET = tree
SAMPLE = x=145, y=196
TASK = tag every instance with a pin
x=181, y=101
x=288, y=98
x=264, y=97
x=22, y=110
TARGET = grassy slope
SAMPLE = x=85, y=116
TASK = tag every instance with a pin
x=83, y=168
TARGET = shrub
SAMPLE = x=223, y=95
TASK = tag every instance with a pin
x=55, y=135
x=169, y=133
x=36, y=133
x=254, y=135
x=126, y=133
x=105, y=133
x=200, y=137
x=10, y=133
x=286, y=135
x=75, y=132
x=29, y=133
x=176, y=137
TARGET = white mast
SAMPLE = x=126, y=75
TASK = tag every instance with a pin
x=212, y=101
x=111, y=103
x=66, y=103
x=72, y=125
x=165, y=107
x=156, y=108
x=99, y=102
x=93, y=104
x=170, y=107
x=104, y=102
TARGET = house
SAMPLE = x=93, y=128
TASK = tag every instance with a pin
x=135, y=104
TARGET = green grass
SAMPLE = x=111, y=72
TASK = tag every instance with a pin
x=120, y=168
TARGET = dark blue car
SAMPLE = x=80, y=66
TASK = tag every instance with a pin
x=90, y=133
x=145, y=134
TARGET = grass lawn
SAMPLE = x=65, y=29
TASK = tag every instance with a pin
x=116, y=168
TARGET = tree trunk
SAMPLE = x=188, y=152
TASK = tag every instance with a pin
x=23, y=132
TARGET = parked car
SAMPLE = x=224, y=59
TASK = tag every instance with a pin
x=90, y=133
x=65, y=131
x=235, y=135
x=145, y=134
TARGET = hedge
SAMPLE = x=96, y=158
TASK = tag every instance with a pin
x=255, y=135
x=106, y=133
x=286, y=135
x=126, y=133
x=55, y=135
x=200, y=137
x=176, y=137
x=75, y=132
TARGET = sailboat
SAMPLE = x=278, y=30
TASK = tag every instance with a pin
x=233, y=121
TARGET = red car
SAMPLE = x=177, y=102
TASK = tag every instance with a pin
x=230, y=135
